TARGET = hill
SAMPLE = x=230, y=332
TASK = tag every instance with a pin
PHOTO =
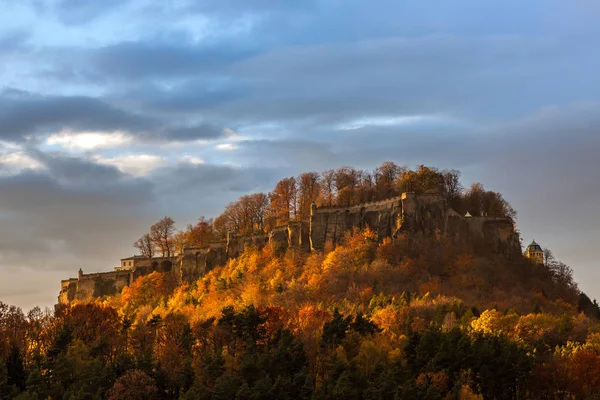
x=417, y=314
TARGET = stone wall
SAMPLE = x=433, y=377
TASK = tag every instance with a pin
x=425, y=214
x=330, y=224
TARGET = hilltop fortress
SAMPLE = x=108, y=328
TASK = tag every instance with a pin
x=424, y=214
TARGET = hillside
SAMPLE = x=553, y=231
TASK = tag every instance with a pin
x=420, y=315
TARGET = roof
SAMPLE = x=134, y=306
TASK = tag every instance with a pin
x=132, y=258
x=534, y=247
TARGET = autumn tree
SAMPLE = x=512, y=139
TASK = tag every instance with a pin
x=480, y=202
x=201, y=233
x=179, y=242
x=385, y=179
x=328, y=186
x=258, y=206
x=246, y=215
x=161, y=234
x=145, y=245
x=423, y=180
x=346, y=180
x=134, y=385
x=365, y=189
x=309, y=189
x=283, y=200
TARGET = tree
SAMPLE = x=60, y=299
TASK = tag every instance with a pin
x=200, y=234
x=247, y=215
x=180, y=242
x=15, y=369
x=452, y=186
x=346, y=181
x=161, y=234
x=309, y=189
x=134, y=385
x=283, y=200
x=328, y=179
x=385, y=179
x=334, y=331
x=145, y=245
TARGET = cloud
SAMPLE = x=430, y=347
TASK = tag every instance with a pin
x=191, y=160
x=144, y=59
x=226, y=147
x=85, y=123
x=134, y=164
x=24, y=113
x=89, y=140
x=17, y=162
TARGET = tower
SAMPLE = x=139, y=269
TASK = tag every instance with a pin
x=535, y=253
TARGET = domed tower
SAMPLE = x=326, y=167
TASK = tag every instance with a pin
x=535, y=253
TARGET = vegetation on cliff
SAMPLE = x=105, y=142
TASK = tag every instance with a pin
x=291, y=198
x=416, y=317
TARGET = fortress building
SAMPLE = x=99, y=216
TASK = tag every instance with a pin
x=409, y=213
x=535, y=253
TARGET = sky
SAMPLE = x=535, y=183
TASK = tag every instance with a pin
x=114, y=114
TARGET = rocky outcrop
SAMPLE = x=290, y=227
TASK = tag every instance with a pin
x=408, y=213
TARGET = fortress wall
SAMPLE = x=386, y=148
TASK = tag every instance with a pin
x=194, y=250
x=423, y=213
x=65, y=283
x=330, y=224
x=299, y=235
x=68, y=290
x=409, y=213
x=279, y=236
x=217, y=245
x=237, y=244
x=194, y=265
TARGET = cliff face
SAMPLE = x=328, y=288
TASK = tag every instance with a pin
x=409, y=213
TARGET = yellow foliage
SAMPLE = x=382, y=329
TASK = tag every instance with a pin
x=466, y=393
x=534, y=327
x=494, y=322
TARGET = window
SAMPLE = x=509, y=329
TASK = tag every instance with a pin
x=130, y=263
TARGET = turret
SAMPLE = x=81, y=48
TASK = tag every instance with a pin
x=535, y=253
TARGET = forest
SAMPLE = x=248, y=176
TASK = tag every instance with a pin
x=416, y=317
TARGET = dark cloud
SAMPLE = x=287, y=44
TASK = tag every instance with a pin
x=145, y=59
x=76, y=171
x=191, y=96
x=25, y=114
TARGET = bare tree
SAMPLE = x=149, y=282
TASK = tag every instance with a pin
x=161, y=234
x=548, y=257
x=145, y=245
x=452, y=186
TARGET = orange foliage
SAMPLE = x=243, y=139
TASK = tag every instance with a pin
x=147, y=290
